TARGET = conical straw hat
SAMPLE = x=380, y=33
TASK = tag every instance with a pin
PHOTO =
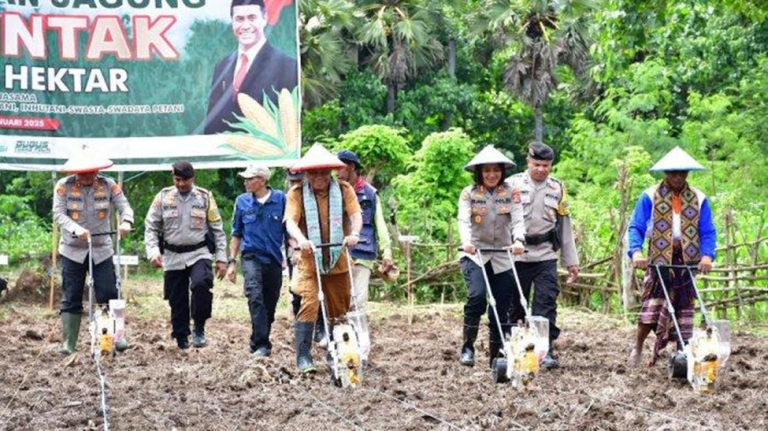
x=490, y=155
x=677, y=160
x=85, y=161
x=318, y=158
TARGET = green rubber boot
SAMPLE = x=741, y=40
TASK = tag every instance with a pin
x=70, y=329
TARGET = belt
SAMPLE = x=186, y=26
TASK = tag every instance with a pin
x=184, y=248
x=540, y=239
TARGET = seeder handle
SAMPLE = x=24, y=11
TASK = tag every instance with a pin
x=330, y=244
x=690, y=269
x=111, y=232
x=670, y=308
x=490, y=250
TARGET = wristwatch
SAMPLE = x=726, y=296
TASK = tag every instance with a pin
x=231, y=260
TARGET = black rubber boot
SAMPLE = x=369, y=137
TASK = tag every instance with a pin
x=320, y=332
x=468, y=348
x=182, y=342
x=70, y=329
x=198, y=335
x=494, y=351
x=550, y=362
x=303, y=344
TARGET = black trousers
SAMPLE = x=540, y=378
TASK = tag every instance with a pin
x=199, y=279
x=543, y=276
x=73, y=283
x=262, y=288
x=503, y=289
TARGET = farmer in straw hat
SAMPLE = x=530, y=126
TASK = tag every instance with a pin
x=321, y=210
x=677, y=220
x=490, y=216
x=82, y=205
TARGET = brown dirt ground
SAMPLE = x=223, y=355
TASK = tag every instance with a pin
x=155, y=386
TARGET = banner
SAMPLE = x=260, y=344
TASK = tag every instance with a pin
x=149, y=82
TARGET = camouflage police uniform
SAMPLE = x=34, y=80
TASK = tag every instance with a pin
x=183, y=222
x=77, y=208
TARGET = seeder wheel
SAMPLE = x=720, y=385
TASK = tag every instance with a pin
x=499, y=370
x=677, y=366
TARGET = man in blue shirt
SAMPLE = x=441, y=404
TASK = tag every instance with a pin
x=677, y=221
x=258, y=234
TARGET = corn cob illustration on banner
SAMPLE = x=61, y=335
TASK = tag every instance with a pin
x=267, y=130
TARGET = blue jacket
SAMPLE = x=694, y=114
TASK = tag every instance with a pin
x=641, y=224
x=260, y=227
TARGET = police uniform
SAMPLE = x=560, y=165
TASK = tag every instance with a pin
x=488, y=219
x=183, y=222
x=544, y=205
x=77, y=208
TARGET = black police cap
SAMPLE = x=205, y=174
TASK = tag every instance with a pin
x=538, y=150
x=183, y=169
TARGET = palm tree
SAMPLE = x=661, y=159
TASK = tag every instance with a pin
x=543, y=34
x=400, y=35
x=324, y=32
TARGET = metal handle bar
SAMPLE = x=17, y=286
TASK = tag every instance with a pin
x=690, y=267
x=330, y=244
x=111, y=232
x=491, y=250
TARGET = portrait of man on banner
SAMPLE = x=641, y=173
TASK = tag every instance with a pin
x=255, y=73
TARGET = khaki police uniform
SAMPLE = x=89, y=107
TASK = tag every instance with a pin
x=77, y=208
x=542, y=204
x=489, y=219
x=183, y=222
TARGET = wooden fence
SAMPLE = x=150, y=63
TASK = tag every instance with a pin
x=738, y=281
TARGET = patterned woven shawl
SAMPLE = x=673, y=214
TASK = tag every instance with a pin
x=661, y=235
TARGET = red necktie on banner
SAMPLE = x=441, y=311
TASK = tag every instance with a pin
x=240, y=76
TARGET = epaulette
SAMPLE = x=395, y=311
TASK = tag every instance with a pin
x=69, y=180
x=294, y=187
x=202, y=190
x=167, y=189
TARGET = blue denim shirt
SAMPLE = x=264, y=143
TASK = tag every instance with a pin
x=260, y=226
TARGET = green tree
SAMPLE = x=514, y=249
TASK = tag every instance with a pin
x=540, y=35
x=382, y=150
x=323, y=31
x=434, y=182
x=401, y=37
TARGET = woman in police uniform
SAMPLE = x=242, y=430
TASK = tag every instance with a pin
x=490, y=216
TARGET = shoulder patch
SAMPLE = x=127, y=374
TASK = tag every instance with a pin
x=213, y=211
x=116, y=190
x=61, y=190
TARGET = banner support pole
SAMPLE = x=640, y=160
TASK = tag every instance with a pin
x=54, y=243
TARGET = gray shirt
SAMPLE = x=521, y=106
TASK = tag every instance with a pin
x=542, y=202
x=490, y=220
x=77, y=208
x=183, y=220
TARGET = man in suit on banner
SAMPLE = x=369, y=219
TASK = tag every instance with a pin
x=255, y=68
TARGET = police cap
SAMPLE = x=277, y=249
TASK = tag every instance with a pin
x=538, y=150
x=183, y=169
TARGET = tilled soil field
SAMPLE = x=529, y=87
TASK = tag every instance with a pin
x=414, y=383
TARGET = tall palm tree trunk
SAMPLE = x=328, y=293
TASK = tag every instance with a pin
x=538, y=129
x=391, y=97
